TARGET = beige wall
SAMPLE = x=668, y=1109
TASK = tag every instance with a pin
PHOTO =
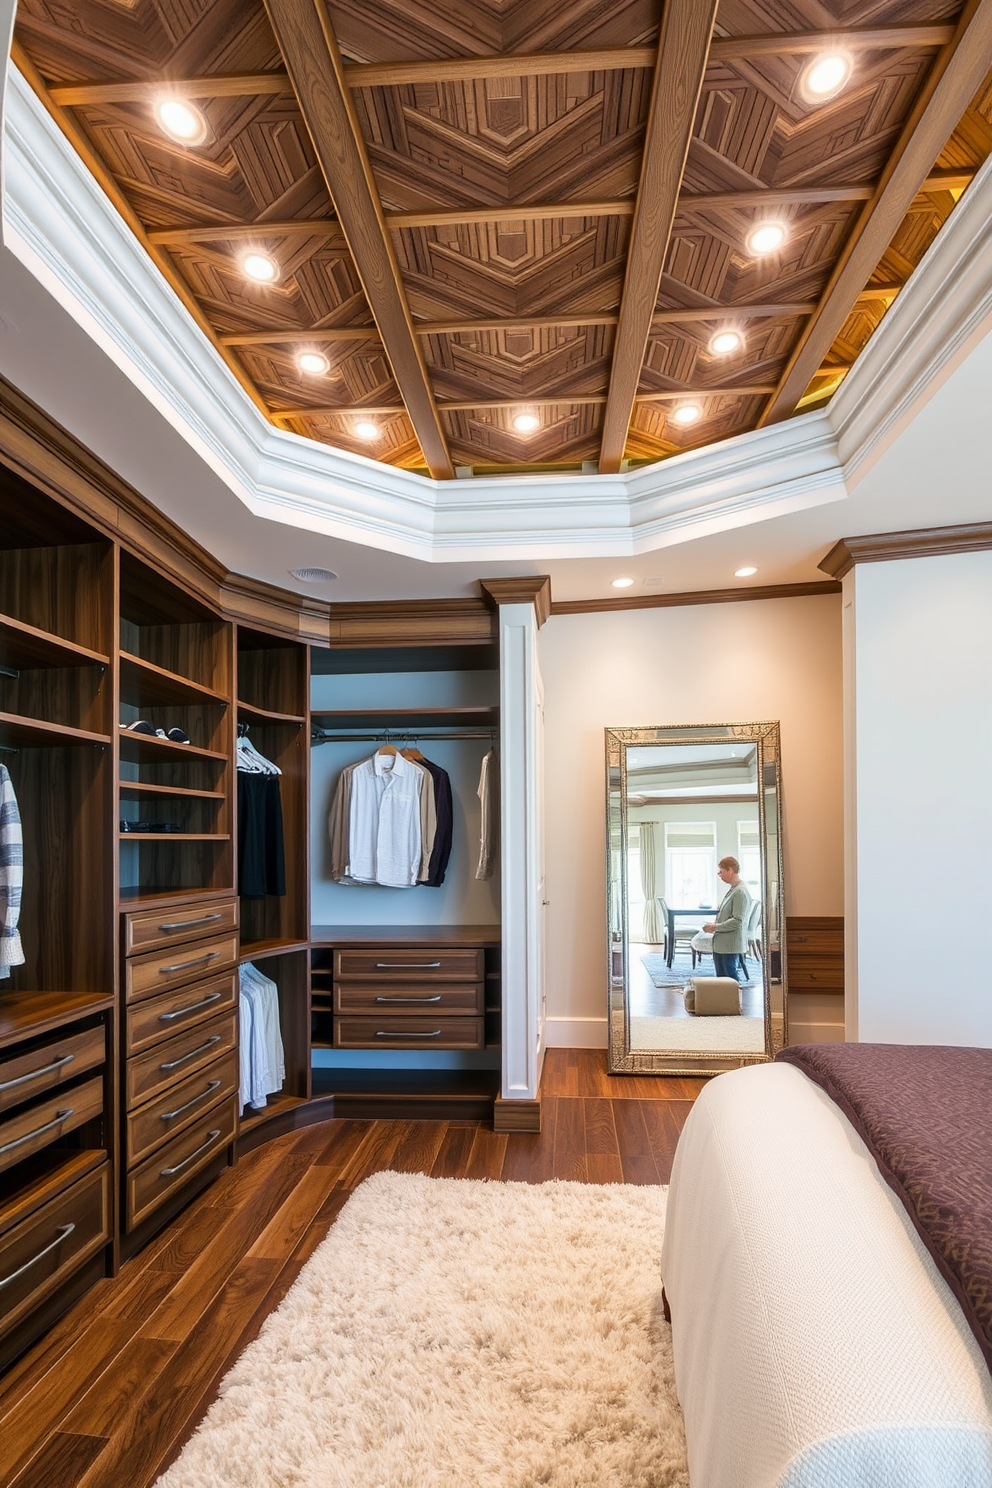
x=767, y=659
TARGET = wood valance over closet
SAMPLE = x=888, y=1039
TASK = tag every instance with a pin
x=155, y=1022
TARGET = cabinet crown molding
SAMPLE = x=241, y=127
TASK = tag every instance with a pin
x=527, y=589
x=923, y=542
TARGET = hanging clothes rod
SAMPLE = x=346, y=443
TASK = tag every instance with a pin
x=403, y=736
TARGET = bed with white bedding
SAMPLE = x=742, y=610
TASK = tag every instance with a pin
x=816, y=1343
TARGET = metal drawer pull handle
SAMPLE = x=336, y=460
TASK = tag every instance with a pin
x=46, y=1069
x=181, y=1012
x=407, y=965
x=182, y=965
x=60, y=1116
x=435, y=998
x=64, y=1232
x=171, y=1172
x=175, y=1063
x=169, y=1115
x=384, y=1033
x=188, y=924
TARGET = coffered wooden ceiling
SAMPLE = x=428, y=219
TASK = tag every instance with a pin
x=482, y=208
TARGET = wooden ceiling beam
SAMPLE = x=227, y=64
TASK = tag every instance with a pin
x=953, y=80
x=523, y=64
x=683, y=51
x=611, y=59
x=670, y=395
x=229, y=85
x=312, y=227
x=310, y=51
x=532, y=323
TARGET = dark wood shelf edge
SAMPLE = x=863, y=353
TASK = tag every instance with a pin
x=175, y=679
x=357, y=936
x=32, y=637
x=169, y=898
x=258, y=950
x=268, y=715
x=23, y=1014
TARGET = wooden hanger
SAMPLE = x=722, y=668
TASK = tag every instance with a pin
x=387, y=749
x=412, y=754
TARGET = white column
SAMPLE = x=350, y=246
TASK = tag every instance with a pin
x=522, y=870
x=919, y=703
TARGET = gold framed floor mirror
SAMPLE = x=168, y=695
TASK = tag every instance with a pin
x=696, y=964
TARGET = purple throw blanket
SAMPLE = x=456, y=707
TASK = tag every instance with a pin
x=925, y=1114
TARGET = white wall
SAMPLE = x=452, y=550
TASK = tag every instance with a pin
x=766, y=659
x=919, y=697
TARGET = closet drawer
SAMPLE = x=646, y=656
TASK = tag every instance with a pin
x=147, y=931
x=409, y=964
x=184, y=1054
x=28, y=1131
x=416, y=1032
x=37, y=1255
x=396, y=999
x=173, y=1165
x=50, y=1064
x=179, y=1106
x=151, y=1021
x=149, y=975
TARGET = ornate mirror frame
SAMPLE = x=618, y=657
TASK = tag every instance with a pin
x=765, y=737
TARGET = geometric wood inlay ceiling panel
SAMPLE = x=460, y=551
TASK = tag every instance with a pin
x=515, y=209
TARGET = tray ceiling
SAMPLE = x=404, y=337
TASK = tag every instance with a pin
x=479, y=211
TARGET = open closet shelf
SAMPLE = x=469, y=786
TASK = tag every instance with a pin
x=27, y=733
x=407, y=718
x=251, y=714
x=142, y=682
x=276, y=1105
x=163, y=896
x=24, y=1014
x=138, y=748
x=25, y=646
x=132, y=790
x=174, y=836
x=257, y=950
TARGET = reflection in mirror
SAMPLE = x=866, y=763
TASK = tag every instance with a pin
x=694, y=897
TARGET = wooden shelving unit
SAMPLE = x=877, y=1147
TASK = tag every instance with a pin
x=27, y=648
x=147, y=748
x=142, y=682
x=18, y=732
x=401, y=720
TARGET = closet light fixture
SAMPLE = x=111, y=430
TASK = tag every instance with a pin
x=526, y=423
x=765, y=237
x=725, y=343
x=181, y=121
x=825, y=76
x=314, y=363
x=260, y=267
x=687, y=413
x=622, y=583
x=367, y=430
x=744, y=573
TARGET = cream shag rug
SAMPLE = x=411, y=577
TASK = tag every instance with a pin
x=704, y=1035
x=458, y=1334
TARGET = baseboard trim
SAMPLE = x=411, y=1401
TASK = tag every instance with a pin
x=516, y=1115
x=575, y=1033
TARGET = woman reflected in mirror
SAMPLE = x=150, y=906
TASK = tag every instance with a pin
x=729, y=929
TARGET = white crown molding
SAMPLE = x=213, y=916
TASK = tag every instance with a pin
x=59, y=223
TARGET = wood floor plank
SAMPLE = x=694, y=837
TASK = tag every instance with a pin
x=418, y=1147
x=293, y=1218
x=162, y=1412
x=453, y=1152
x=61, y=1463
x=603, y=1164
x=530, y=1156
x=635, y=1149
x=100, y=1409
x=664, y=1121
x=487, y=1155
x=569, y=1159
x=341, y=1139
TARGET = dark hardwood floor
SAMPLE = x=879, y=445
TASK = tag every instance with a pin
x=107, y=1398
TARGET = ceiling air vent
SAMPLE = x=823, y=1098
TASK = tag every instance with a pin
x=313, y=575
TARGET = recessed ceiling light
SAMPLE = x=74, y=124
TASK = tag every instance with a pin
x=825, y=76
x=313, y=362
x=744, y=573
x=181, y=121
x=260, y=267
x=526, y=423
x=622, y=583
x=724, y=343
x=367, y=430
x=313, y=575
x=687, y=413
x=766, y=237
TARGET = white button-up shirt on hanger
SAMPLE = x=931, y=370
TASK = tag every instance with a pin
x=384, y=841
